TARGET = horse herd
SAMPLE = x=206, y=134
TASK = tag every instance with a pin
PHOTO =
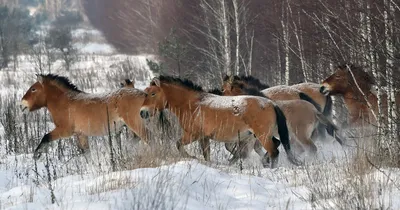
x=244, y=113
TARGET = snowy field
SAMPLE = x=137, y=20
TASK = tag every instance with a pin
x=337, y=178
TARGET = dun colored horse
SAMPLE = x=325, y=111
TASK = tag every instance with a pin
x=283, y=92
x=302, y=116
x=82, y=114
x=310, y=89
x=204, y=116
x=127, y=83
x=361, y=102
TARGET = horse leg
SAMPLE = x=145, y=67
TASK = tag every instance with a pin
x=242, y=148
x=321, y=129
x=306, y=141
x=205, y=147
x=186, y=139
x=265, y=160
x=82, y=143
x=55, y=134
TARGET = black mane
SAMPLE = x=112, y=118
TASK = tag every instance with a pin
x=253, y=92
x=359, y=73
x=182, y=82
x=60, y=80
x=254, y=81
x=249, y=80
x=216, y=91
x=128, y=82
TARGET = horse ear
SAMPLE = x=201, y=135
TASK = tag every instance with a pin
x=133, y=82
x=39, y=78
x=226, y=78
x=156, y=81
x=230, y=80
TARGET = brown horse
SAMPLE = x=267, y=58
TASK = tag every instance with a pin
x=302, y=116
x=204, y=116
x=360, y=101
x=82, y=114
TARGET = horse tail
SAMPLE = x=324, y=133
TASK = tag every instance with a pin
x=283, y=132
x=328, y=106
x=305, y=97
x=328, y=113
x=329, y=124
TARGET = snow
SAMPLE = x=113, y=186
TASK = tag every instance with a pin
x=334, y=179
x=94, y=48
x=238, y=103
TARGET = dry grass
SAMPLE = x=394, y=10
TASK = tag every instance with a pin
x=351, y=182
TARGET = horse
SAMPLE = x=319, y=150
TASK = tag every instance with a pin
x=127, y=83
x=310, y=89
x=284, y=92
x=302, y=117
x=204, y=116
x=81, y=114
x=359, y=97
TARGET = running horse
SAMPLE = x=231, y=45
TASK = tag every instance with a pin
x=81, y=114
x=304, y=91
x=358, y=94
x=127, y=83
x=204, y=116
x=302, y=116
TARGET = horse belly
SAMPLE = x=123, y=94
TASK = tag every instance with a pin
x=97, y=125
x=230, y=133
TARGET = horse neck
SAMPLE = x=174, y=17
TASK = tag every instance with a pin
x=56, y=96
x=356, y=103
x=181, y=101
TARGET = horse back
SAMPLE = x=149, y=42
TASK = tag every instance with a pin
x=93, y=115
x=224, y=117
x=281, y=93
x=312, y=90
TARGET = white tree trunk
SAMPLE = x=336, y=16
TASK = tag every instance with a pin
x=225, y=25
x=372, y=62
x=389, y=68
x=286, y=51
x=237, y=31
x=299, y=39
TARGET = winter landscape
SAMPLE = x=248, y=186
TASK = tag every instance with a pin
x=121, y=172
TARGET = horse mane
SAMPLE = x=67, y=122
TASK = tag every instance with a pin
x=254, y=81
x=361, y=75
x=254, y=92
x=248, y=79
x=128, y=81
x=215, y=91
x=61, y=81
x=181, y=82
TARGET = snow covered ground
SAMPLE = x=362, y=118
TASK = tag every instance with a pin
x=334, y=179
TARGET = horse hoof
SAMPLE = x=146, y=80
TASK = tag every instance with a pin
x=232, y=161
x=37, y=155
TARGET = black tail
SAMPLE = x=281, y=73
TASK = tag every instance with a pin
x=328, y=107
x=328, y=113
x=283, y=130
x=305, y=97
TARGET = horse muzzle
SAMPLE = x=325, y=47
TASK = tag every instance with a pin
x=144, y=114
x=324, y=90
x=24, y=106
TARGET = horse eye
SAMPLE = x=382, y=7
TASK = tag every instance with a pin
x=33, y=89
x=153, y=94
